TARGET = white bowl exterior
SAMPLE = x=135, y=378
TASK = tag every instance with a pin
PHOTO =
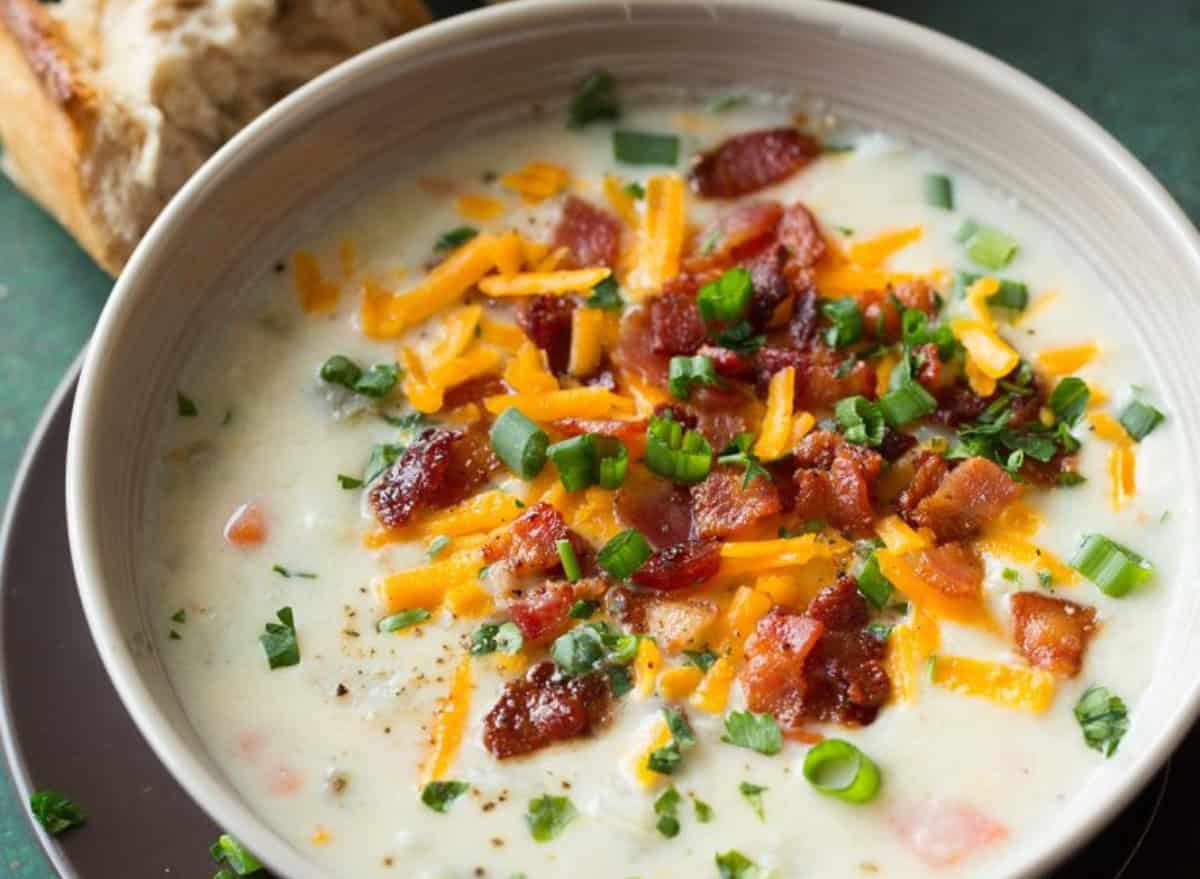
x=391, y=106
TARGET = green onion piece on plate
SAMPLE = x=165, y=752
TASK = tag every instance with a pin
x=519, y=443
x=570, y=563
x=838, y=769
x=1116, y=569
x=595, y=100
x=403, y=620
x=645, y=148
x=875, y=587
x=575, y=459
x=861, y=421
x=624, y=554
x=1011, y=294
x=939, y=191
x=684, y=372
x=847, y=321
x=1139, y=419
x=612, y=467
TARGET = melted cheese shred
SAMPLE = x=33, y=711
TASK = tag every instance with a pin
x=1012, y=686
x=449, y=723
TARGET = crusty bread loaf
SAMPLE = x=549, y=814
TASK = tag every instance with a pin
x=108, y=106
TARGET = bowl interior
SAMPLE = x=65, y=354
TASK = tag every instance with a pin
x=384, y=111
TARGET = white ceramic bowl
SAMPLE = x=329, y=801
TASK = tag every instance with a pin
x=408, y=98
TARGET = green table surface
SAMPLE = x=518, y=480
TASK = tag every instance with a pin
x=1136, y=74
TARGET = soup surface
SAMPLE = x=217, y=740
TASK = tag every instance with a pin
x=831, y=425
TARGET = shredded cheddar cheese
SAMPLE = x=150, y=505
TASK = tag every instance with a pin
x=315, y=292
x=712, y=694
x=588, y=402
x=537, y=181
x=660, y=242
x=658, y=736
x=872, y=252
x=898, y=536
x=424, y=395
x=482, y=512
x=990, y=354
x=1066, y=360
x=969, y=611
x=646, y=665
x=480, y=207
x=449, y=723
x=426, y=586
x=775, y=438
x=587, y=341
x=909, y=647
x=676, y=684
x=843, y=281
x=543, y=283
x=1025, y=689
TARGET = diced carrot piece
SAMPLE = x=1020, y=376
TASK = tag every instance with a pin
x=247, y=526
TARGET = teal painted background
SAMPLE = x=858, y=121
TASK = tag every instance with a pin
x=1134, y=68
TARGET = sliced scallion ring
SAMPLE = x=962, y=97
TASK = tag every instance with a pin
x=519, y=443
x=624, y=554
x=1116, y=569
x=837, y=768
x=570, y=562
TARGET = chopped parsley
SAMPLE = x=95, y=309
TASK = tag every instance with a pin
x=288, y=573
x=185, y=405
x=605, y=296
x=493, y=637
x=455, y=238
x=752, y=794
x=702, y=659
x=234, y=859
x=739, y=454
x=583, y=609
x=666, y=760
x=549, y=816
x=666, y=807
x=735, y=865
x=592, y=647
x=634, y=189
x=180, y=616
x=439, y=795
x=1103, y=718
x=382, y=457
x=279, y=641
x=757, y=732
x=595, y=100
x=704, y=812
x=349, y=482
x=1069, y=399
x=846, y=321
x=55, y=812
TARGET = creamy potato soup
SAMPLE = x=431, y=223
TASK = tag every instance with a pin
x=689, y=487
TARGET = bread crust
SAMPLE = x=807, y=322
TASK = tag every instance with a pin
x=83, y=152
x=48, y=111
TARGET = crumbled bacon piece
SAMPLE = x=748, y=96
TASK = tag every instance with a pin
x=935, y=375
x=472, y=463
x=824, y=380
x=801, y=236
x=957, y=405
x=675, y=324
x=768, y=361
x=415, y=478
x=722, y=508
x=895, y=444
x=748, y=162
x=680, y=566
x=970, y=496
x=722, y=413
x=834, y=480
x=660, y=510
x=541, y=613
x=954, y=569
x=530, y=543
x=729, y=364
x=542, y=708
x=474, y=390
x=1052, y=633
x=546, y=320
x=770, y=285
x=675, y=624
x=740, y=231
x=631, y=433
x=802, y=328
x=591, y=235
x=929, y=469
x=817, y=666
x=634, y=351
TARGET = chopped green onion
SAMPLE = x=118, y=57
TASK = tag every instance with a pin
x=861, y=421
x=624, y=554
x=1103, y=719
x=735, y=865
x=279, y=641
x=702, y=659
x=548, y=816
x=438, y=795
x=684, y=372
x=234, y=857
x=583, y=609
x=739, y=454
x=827, y=764
x=906, y=403
x=1116, y=569
x=490, y=637
x=1069, y=399
x=349, y=482
x=288, y=573
x=1139, y=419
x=847, y=321
x=612, y=468
x=570, y=563
x=991, y=247
x=939, y=191
x=180, y=616
x=1011, y=294
x=875, y=587
x=645, y=148
x=595, y=100
x=185, y=405
x=741, y=338
x=704, y=812
x=519, y=443
x=340, y=370
x=376, y=382
x=55, y=812
x=575, y=459
x=606, y=296
x=455, y=238
x=726, y=103
x=726, y=298
x=673, y=454
x=634, y=189
x=404, y=620
x=965, y=231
